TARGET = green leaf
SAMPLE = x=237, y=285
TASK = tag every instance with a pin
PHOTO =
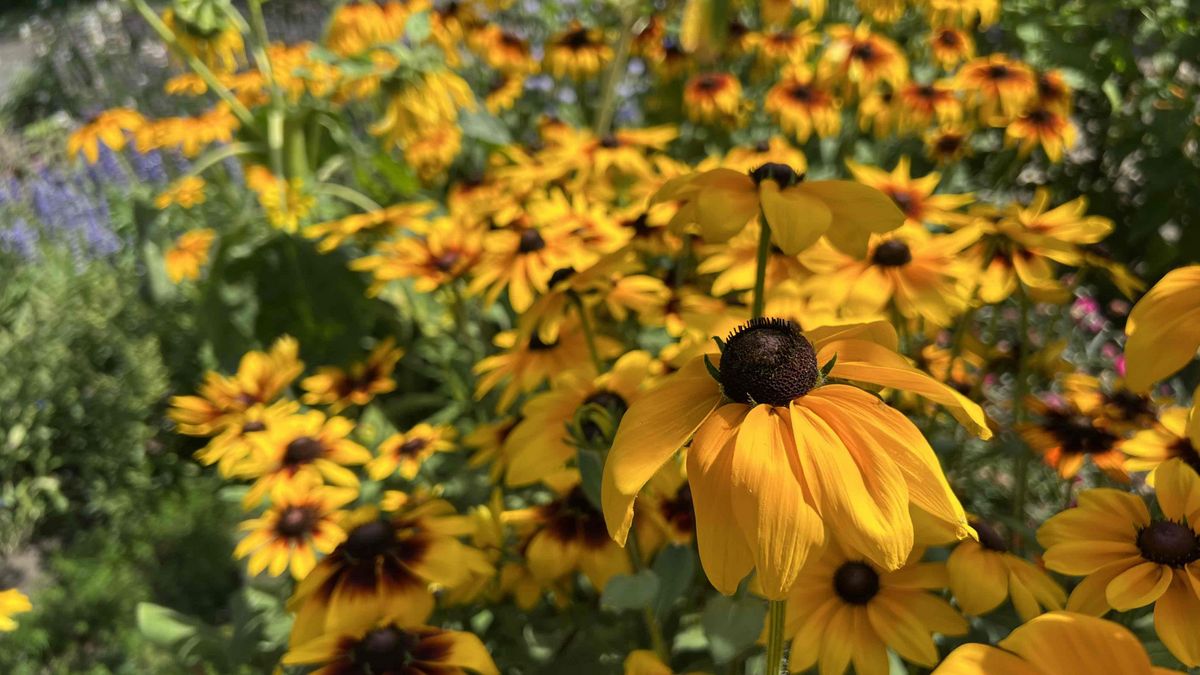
x=712, y=370
x=732, y=625
x=825, y=369
x=591, y=469
x=164, y=626
x=374, y=426
x=626, y=591
x=485, y=128
x=676, y=568
x=417, y=29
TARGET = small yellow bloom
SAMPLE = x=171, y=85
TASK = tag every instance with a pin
x=186, y=192
x=189, y=254
x=12, y=602
x=107, y=129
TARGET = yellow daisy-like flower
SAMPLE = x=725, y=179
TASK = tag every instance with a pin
x=781, y=457
x=578, y=53
x=1163, y=329
x=405, y=216
x=301, y=523
x=1177, y=434
x=951, y=46
x=429, y=101
x=735, y=263
x=1114, y=406
x=358, y=385
x=721, y=202
x=522, y=260
x=233, y=445
x=300, y=450
x=1058, y=643
x=997, y=86
x=984, y=574
x=107, y=129
x=713, y=98
x=503, y=92
x=441, y=251
x=185, y=192
x=404, y=453
x=503, y=51
x=391, y=645
x=846, y=610
x=786, y=46
x=434, y=151
x=802, y=106
x=1066, y=436
x=286, y=202
x=358, y=26
x=224, y=400
x=947, y=144
x=1041, y=126
x=914, y=196
x=387, y=565
x=923, y=105
x=12, y=602
x=188, y=255
x=1131, y=559
x=527, y=362
x=539, y=443
x=861, y=59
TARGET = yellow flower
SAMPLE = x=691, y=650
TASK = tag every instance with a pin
x=1114, y=407
x=286, y=202
x=441, y=251
x=503, y=92
x=950, y=46
x=914, y=196
x=12, y=602
x=1177, y=434
x=220, y=48
x=922, y=105
x=430, y=101
x=502, y=50
x=578, y=53
x=722, y=201
x=301, y=522
x=390, y=645
x=997, y=86
x=1058, y=643
x=233, y=445
x=186, y=192
x=947, y=144
x=528, y=362
x=189, y=254
x=786, y=46
x=984, y=573
x=713, y=98
x=397, y=217
x=490, y=441
x=224, y=400
x=845, y=609
x=735, y=264
x=1066, y=436
x=387, y=565
x=1045, y=127
x=522, y=260
x=862, y=59
x=776, y=149
x=301, y=449
x=1163, y=330
x=358, y=26
x=788, y=456
x=404, y=453
x=108, y=129
x=433, y=151
x=1130, y=559
x=340, y=389
x=802, y=106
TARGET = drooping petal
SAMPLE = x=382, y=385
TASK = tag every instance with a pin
x=462, y=650
x=901, y=630
x=977, y=578
x=1175, y=621
x=1177, y=487
x=858, y=211
x=652, y=430
x=725, y=202
x=724, y=553
x=797, y=220
x=975, y=659
x=1062, y=642
x=1163, y=329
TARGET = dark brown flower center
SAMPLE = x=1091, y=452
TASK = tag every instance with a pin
x=948, y=38
x=1077, y=433
x=610, y=141
x=1182, y=448
x=863, y=51
x=302, y=451
x=892, y=253
x=296, y=521
x=531, y=241
x=1169, y=543
x=412, y=447
x=800, y=92
x=446, y=261
x=385, y=650
x=768, y=361
x=948, y=143
x=783, y=175
x=997, y=71
x=537, y=345
x=856, y=582
x=678, y=510
x=253, y=426
x=574, y=518
x=989, y=538
x=369, y=540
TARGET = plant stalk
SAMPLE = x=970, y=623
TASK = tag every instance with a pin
x=775, y=638
x=760, y=268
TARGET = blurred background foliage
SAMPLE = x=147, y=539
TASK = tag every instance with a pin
x=104, y=513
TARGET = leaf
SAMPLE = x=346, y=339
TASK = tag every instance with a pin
x=417, y=29
x=626, y=591
x=374, y=426
x=484, y=127
x=732, y=625
x=591, y=468
x=164, y=626
x=676, y=568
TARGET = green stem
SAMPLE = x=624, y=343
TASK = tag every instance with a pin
x=608, y=102
x=760, y=268
x=652, y=625
x=1021, y=462
x=775, y=638
x=346, y=194
x=585, y=322
x=164, y=33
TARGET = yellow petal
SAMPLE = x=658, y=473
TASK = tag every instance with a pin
x=901, y=630
x=724, y=553
x=1175, y=621
x=1061, y=642
x=1177, y=487
x=858, y=211
x=973, y=659
x=1138, y=586
x=725, y=203
x=1163, y=329
x=797, y=220
x=653, y=428
x=463, y=650
x=978, y=578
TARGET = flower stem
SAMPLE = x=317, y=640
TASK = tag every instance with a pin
x=775, y=638
x=1021, y=462
x=608, y=101
x=585, y=322
x=760, y=268
x=651, y=620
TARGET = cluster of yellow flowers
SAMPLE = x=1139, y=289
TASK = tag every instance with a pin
x=785, y=449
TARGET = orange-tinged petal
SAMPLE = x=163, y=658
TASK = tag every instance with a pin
x=1062, y=642
x=1175, y=621
x=1138, y=586
x=1177, y=487
x=974, y=659
x=1163, y=329
x=724, y=553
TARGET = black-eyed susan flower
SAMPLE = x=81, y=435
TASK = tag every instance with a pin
x=540, y=447
x=490, y=442
x=861, y=59
x=620, y=153
x=1116, y=407
x=109, y=129
x=403, y=453
x=577, y=53
x=527, y=362
x=356, y=27
x=503, y=92
x=391, y=646
x=1163, y=329
x=1177, y=434
x=298, y=450
x=1066, y=436
x=914, y=196
x=713, y=98
x=1042, y=127
x=521, y=259
x=287, y=202
x=735, y=264
x=189, y=253
x=786, y=46
x=879, y=112
x=947, y=144
x=568, y=535
x=997, y=87
x=789, y=460
x=1057, y=643
x=438, y=252
x=433, y=151
x=301, y=523
x=184, y=193
x=918, y=273
x=668, y=516
x=722, y=201
x=233, y=444
x=223, y=400
x=985, y=573
x=950, y=46
x=429, y=101
x=357, y=385
x=502, y=50
x=802, y=106
x=388, y=564
x=12, y=602
x=846, y=610
x=923, y=105
x=1131, y=558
